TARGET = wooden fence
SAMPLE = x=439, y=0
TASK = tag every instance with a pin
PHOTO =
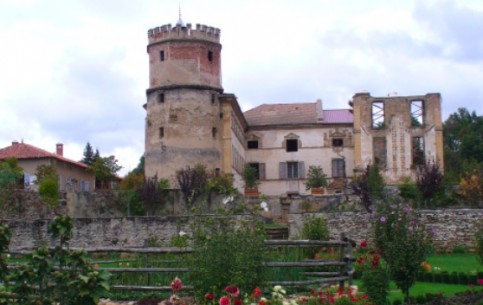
x=341, y=261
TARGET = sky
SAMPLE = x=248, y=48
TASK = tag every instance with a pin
x=76, y=71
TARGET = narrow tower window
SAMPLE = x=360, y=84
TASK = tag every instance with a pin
x=213, y=98
x=161, y=98
x=210, y=55
x=161, y=132
x=161, y=55
x=213, y=132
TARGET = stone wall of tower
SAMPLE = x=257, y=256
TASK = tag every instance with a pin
x=183, y=122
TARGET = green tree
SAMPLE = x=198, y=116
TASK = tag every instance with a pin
x=104, y=169
x=10, y=173
x=88, y=155
x=463, y=142
x=48, y=182
x=140, y=168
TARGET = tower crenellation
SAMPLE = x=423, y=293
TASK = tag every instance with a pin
x=167, y=31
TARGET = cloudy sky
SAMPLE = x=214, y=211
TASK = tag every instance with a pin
x=76, y=71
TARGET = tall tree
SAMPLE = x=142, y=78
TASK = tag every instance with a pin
x=463, y=142
x=88, y=156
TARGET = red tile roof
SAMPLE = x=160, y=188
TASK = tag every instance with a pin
x=296, y=113
x=26, y=151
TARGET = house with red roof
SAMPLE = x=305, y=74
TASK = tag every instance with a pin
x=73, y=175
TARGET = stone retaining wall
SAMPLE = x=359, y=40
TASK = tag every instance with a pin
x=452, y=227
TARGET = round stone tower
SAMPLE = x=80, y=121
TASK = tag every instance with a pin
x=183, y=112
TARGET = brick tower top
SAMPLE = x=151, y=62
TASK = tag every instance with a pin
x=167, y=32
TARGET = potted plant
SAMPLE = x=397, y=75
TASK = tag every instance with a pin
x=249, y=176
x=316, y=180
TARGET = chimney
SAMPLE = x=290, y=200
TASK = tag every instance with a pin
x=60, y=149
x=14, y=143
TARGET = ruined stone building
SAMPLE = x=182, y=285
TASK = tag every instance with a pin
x=190, y=120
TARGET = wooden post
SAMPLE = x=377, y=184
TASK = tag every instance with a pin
x=341, y=268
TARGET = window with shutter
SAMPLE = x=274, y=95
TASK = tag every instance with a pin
x=261, y=168
x=282, y=169
x=338, y=168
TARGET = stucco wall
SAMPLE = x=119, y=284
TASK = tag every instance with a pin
x=315, y=148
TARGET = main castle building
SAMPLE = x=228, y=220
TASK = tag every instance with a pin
x=190, y=120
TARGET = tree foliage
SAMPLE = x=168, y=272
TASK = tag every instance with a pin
x=10, y=173
x=104, y=169
x=369, y=186
x=88, y=155
x=429, y=180
x=463, y=142
x=192, y=182
x=403, y=241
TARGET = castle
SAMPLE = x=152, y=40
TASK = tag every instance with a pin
x=190, y=120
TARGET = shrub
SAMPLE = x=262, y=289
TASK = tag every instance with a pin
x=316, y=178
x=314, y=228
x=460, y=249
x=404, y=242
x=374, y=274
x=227, y=250
x=409, y=191
x=192, y=182
x=58, y=275
x=49, y=191
x=368, y=186
x=429, y=180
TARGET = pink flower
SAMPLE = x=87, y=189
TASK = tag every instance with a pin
x=383, y=219
x=238, y=302
x=480, y=282
x=232, y=290
x=176, y=284
x=225, y=300
x=363, y=244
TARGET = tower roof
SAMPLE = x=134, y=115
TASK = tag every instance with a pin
x=180, y=21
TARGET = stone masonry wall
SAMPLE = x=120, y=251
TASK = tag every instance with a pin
x=452, y=227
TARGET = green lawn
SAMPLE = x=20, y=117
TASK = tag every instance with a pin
x=465, y=262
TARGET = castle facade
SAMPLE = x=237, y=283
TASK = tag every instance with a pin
x=190, y=120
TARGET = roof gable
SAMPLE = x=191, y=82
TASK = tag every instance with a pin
x=26, y=151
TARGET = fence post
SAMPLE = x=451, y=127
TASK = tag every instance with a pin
x=341, y=258
x=349, y=261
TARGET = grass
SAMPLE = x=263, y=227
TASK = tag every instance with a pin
x=464, y=262
x=422, y=288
